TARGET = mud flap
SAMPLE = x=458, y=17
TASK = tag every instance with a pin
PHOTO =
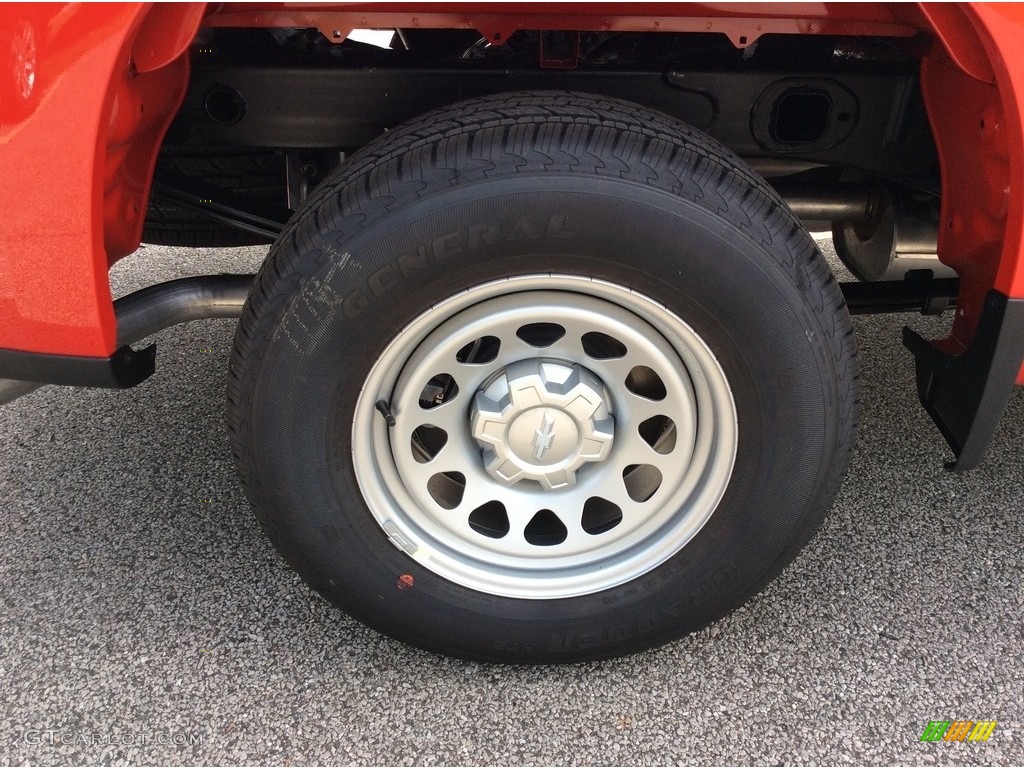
x=966, y=394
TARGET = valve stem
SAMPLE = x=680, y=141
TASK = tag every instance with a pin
x=385, y=411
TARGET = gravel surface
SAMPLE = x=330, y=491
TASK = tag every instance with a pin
x=146, y=619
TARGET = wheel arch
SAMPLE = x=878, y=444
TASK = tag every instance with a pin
x=120, y=71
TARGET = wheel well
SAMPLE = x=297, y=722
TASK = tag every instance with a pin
x=841, y=107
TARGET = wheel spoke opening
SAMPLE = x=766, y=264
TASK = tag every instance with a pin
x=600, y=515
x=545, y=529
x=601, y=346
x=479, y=351
x=642, y=481
x=659, y=432
x=643, y=381
x=490, y=519
x=439, y=390
x=426, y=442
x=447, y=488
x=540, y=335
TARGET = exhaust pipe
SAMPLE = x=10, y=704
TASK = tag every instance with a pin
x=160, y=306
x=143, y=313
x=828, y=203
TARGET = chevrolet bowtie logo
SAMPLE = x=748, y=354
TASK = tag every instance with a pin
x=544, y=437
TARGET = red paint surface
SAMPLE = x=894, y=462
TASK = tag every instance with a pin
x=973, y=86
x=1003, y=27
x=54, y=293
x=76, y=157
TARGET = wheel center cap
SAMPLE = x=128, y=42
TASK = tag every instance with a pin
x=542, y=420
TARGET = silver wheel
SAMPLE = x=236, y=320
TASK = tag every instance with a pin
x=553, y=436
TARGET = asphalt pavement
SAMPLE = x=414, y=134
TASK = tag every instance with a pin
x=145, y=618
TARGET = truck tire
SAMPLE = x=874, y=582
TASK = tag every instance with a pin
x=260, y=175
x=542, y=377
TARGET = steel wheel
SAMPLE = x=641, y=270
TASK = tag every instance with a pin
x=549, y=440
